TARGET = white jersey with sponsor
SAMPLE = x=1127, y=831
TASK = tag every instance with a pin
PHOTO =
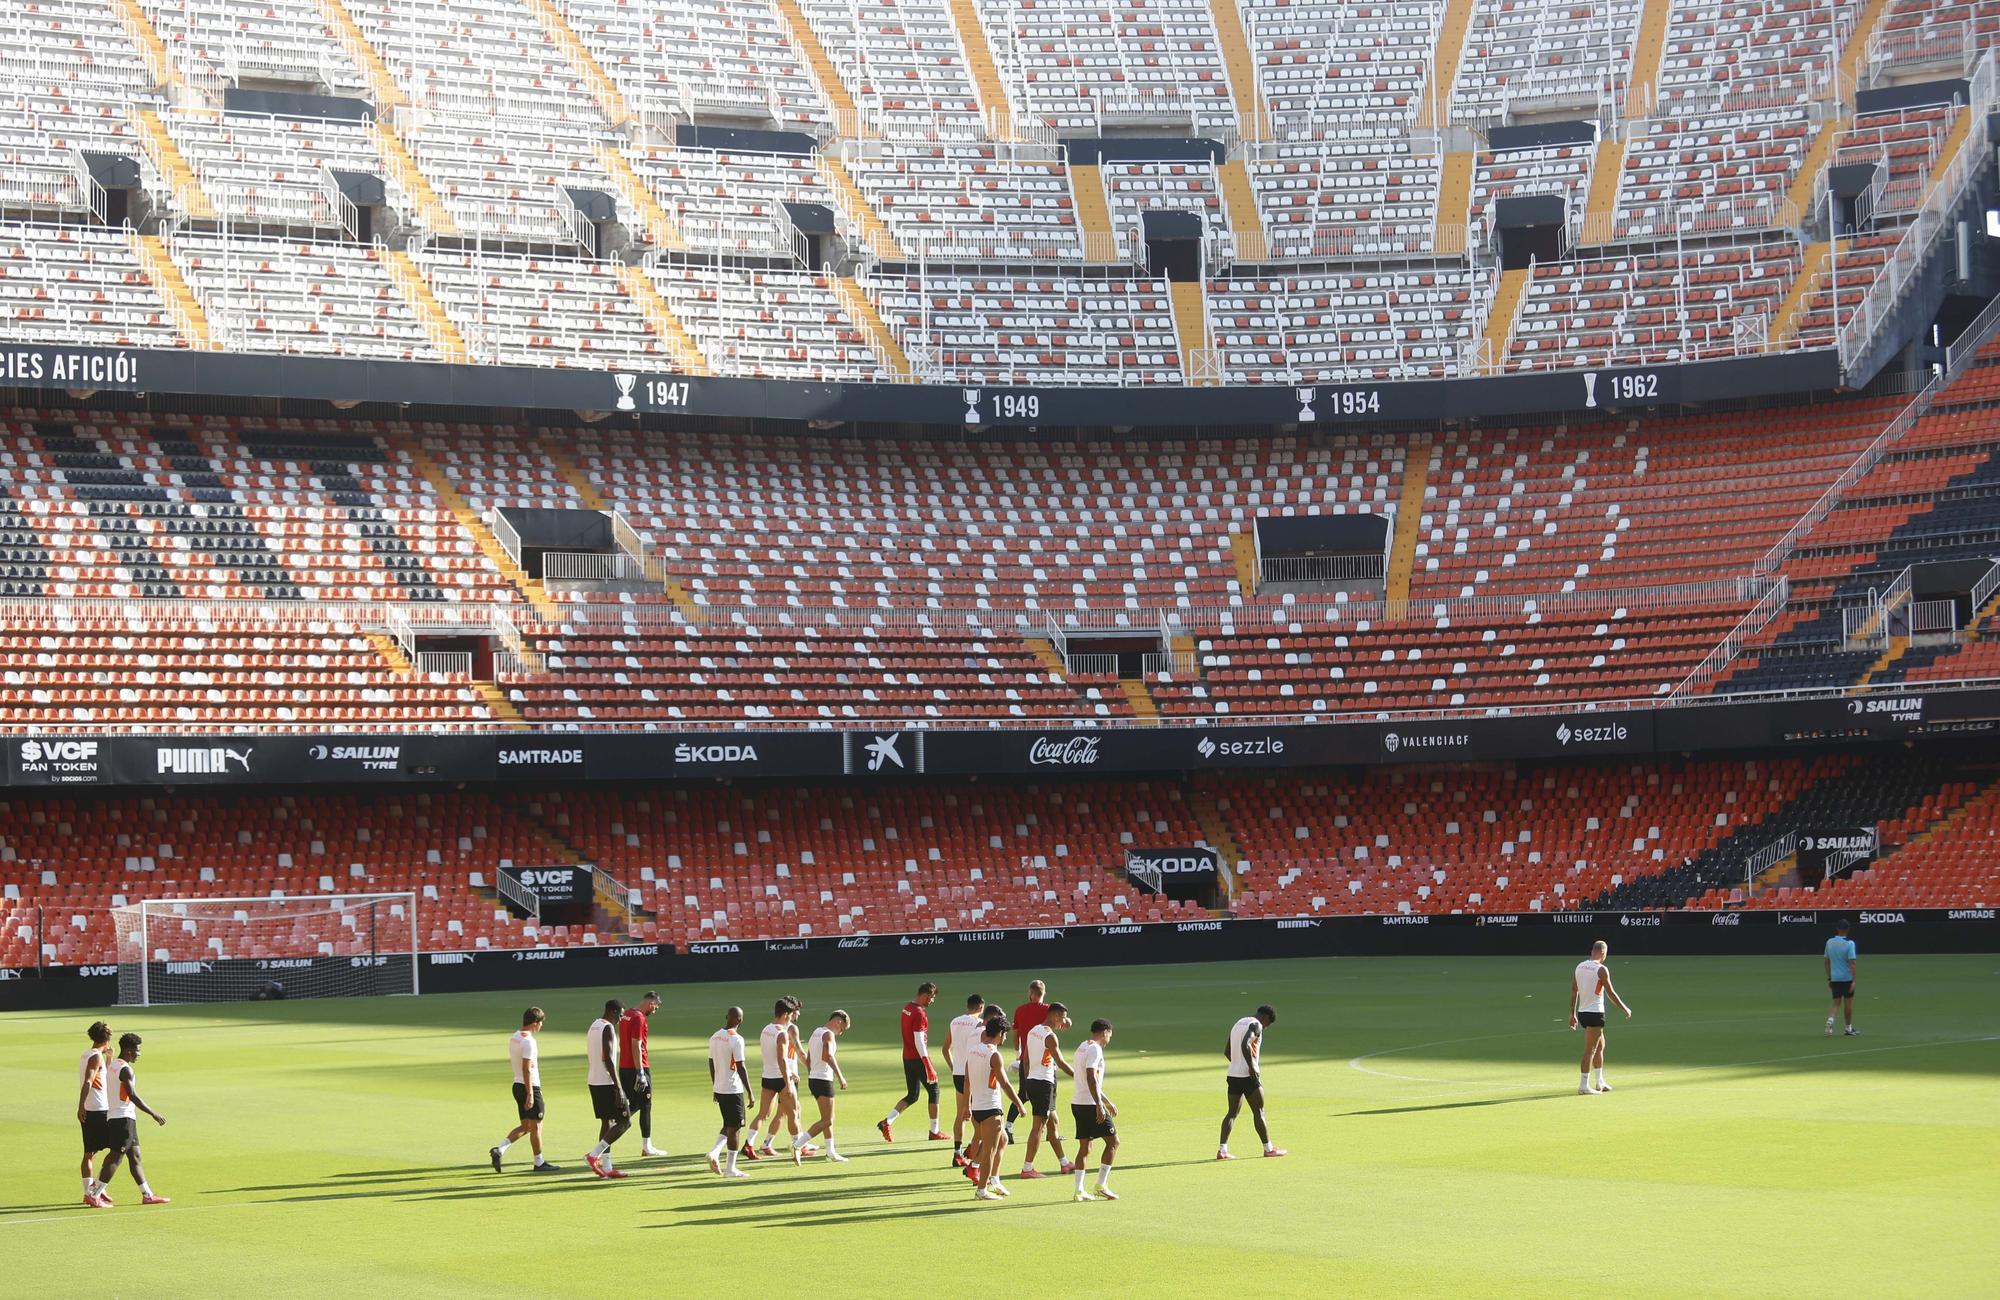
x=1089, y=1056
x=524, y=1056
x=1041, y=1053
x=819, y=1050
x=965, y=1032
x=725, y=1053
x=1246, y=1037
x=601, y=1072
x=1589, y=997
x=90, y=1074
x=981, y=1092
x=774, y=1045
x=120, y=1083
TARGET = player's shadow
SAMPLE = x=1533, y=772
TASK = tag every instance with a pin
x=40, y=1209
x=1458, y=1105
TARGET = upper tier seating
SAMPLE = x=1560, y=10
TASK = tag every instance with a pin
x=1937, y=36
x=728, y=57
x=503, y=181
x=1524, y=57
x=1339, y=71
x=268, y=170
x=267, y=295
x=544, y=311
x=1517, y=173
x=972, y=201
x=1049, y=329
x=781, y=323
x=1711, y=176
x=1732, y=55
x=1083, y=67
x=278, y=40
x=1335, y=328
x=70, y=77
x=731, y=202
x=489, y=61
x=902, y=63
x=1903, y=144
x=1374, y=200
x=77, y=284
x=1132, y=189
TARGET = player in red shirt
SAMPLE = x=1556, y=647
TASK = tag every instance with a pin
x=1026, y=1016
x=635, y=1067
x=919, y=1072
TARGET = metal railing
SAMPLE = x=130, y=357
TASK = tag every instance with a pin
x=1091, y=665
x=1767, y=857
x=506, y=534
x=1172, y=663
x=1870, y=456
x=1982, y=591
x=1718, y=660
x=610, y=894
x=1934, y=620
x=579, y=226
x=1320, y=568
x=1864, y=626
x=343, y=208
x=397, y=622
x=1966, y=347
x=587, y=566
x=518, y=894
x=512, y=666
x=444, y=663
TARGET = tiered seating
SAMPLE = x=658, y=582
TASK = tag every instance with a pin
x=279, y=40
x=544, y=311
x=972, y=201
x=772, y=322
x=731, y=202
x=721, y=862
x=71, y=75
x=73, y=284
x=267, y=295
x=1534, y=57
x=727, y=57
x=505, y=182
x=490, y=61
x=267, y=170
x=496, y=469
x=1517, y=173
x=1336, y=71
x=903, y=64
x=1659, y=308
x=1368, y=200
x=1933, y=35
x=1711, y=176
x=1082, y=67
x=1532, y=838
x=1132, y=189
x=1333, y=328
x=1949, y=865
x=1841, y=285
x=1054, y=329
x=1729, y=55
x=1903, y=144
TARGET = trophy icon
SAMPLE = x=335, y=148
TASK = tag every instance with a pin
x=971, y=405
x=1590, y=390
x=625, y=385
x=1306, y=404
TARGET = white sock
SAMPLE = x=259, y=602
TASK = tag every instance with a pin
x=937, y=1128
x=502, y=1146
x=1598, y=1078
x=1270, y=1146
x=750, y=1138
x=145, y=1189
x=1583, y=1080
x=540, y=1160
x=892, y=1117
x=601, y=1150
x=830, y=1148
x=1103, y=1175
x=1222, y=1150
x=1079, y=1178
x=716, y=1150
x=732, y=1161
x=90, y=1187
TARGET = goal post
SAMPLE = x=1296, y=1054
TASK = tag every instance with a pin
x=242, y=949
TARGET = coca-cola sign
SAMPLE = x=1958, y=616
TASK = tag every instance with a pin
x=1070, y=751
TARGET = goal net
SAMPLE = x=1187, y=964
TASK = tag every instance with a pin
x=239, y=949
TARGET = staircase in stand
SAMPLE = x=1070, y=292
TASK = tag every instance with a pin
x=1191, y=328
x=592, y=74
x=1791, y=309
x=834, y=174
x=173, y=168
x=416, y=291
x=1239, y=204
x=846, y=118
x=568, y=471
x=861, y=310
x=1454, y=203
x=1449, y=52
x=1093, y=213
x=1897, y=646
x=409, y=178
x=1500, y=319
x=502, y=708
x=147, y=37
x=635, y=196
x=986, y=83
x=1857, y=48
x=160, y=269
x=475, y=527
x=1649, y=48
x=1800, y=195
x=1051, y=658
x=1241, y=68
x=687, y=357
x=392, y=654
x=1243, y=552
x=1409, y=520
x=1141, y=700
x=383, y=91
x=1215, y=829
x=1954, y=140
x=1600, y=209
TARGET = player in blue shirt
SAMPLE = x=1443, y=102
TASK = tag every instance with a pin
x=1840, y=963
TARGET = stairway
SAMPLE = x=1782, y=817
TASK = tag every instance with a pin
x=1243, y=550
x=409, y=178
x=1607, y=172
x=1215, y=829
x=567, y=470
x=392, y=654
x=861, y=310
x=1093, y=213
x=1141, y=700
x=1791, y=308
x=1775, y=875
x=173, y=168
x=1648, y=49
x=847, y=121
x=1799, y=197
x=475, y=528
x=1241, y=68
x=1897, y=645
x=1454, y=203
x=1500, y=318
x=1239, y=204
x=1409, y=520
x=416, y=291
x=1953, y=142
x=687, y=357
x=1050, y=657
x=1434, y=111
x=503, y=708
x=986, y=81
x=166, y=277
x=1857, y=49
x=1191, y=328
x=158, y=63
x=636, y=197
x=834, y=175
x=589, y=71
x=382, y=88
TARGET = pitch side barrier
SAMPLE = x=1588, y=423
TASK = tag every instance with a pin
x=237, y=374
x=56, y=759
x=1798, y=934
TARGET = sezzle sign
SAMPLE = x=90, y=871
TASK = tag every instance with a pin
x=1609, y=733
x=1251, y=747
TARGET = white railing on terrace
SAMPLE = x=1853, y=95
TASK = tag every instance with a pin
x=1320, y=568
x=518, y=894
x=509, y=666
x=584, y=566
x=1864, y=626
x=337, y=202
x=1091, y=665
x=1966, y=347
x=1345, y=242
x=1718, y=660
x=1171, y=663
x=1937, y=42
x=1934, y=620
x=1932, y=222
x=398, y=624
x=1982, y=591
x=506, y=534
x=1767, y=857
x=444, y=663
x=1705, y=218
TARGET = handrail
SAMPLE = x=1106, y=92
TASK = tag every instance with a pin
x=506, y=534
x=1760, y=616
x=1982, y=591
x=1870, y=456
x=518, y=894
x=1320, y=568
x=342, y=207
x=1767, y=857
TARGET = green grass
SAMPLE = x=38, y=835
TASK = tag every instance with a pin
x=1438, y=1148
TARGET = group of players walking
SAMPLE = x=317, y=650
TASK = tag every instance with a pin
x=620, y=1078
x=108, y=1107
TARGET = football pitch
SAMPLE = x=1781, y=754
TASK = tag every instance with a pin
x=1438, y=1146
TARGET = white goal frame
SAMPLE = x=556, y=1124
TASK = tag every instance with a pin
x=137, y=924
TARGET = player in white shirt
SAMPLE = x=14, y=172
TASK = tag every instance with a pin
x=1246, y=1081
x=121, y=1111
x=1091, y=1110
x=960, y=1035
x=822, y=1073
x=778, y=1045
x=1587, y=990
x=524, y=1063
x=607, y=1098
x=1041, y=1057
x=730, y=1083
x=91, y=1104
x=986, y=1083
